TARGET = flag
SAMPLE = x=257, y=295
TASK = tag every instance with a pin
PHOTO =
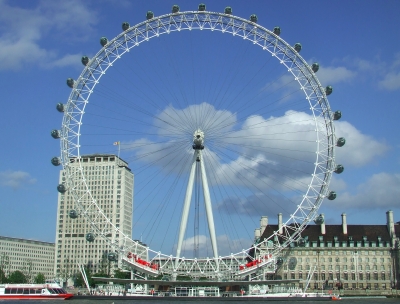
x=117, y=143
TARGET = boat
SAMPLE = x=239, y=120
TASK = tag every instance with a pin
x=51, y=291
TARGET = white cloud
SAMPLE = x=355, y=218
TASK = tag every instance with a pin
x=225, y=245
x=391, y=81
x=15, y=179
x=262, y=164
x=333, y=75
x=360, y=149
x=23, y=31
x=380, y=191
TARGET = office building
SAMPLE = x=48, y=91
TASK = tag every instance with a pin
x=110, y=182
x=28, y=256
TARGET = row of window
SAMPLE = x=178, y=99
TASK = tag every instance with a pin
x=338, y=260
x=339, y=252
x=338, y=267
x=339, y=276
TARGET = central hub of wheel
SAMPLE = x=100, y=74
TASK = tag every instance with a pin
x=198, y=140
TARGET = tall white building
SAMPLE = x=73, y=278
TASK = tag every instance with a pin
x=111, y=183
x=29, y=256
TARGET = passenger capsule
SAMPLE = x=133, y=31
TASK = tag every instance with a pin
x=279, y=261
x=253, y=18
x=103, y=41
x=125, y=26
x=319, y=220
x=301, y=242
x=328, y=90
x=339, y=169
x=61, y=188
x=228, y=10
x=175, y=9
x=149, y=15
x=337, y=115
x=55, y=134
x=112, y=256
x=332, y=195
x=202, y=7
x=340, y=142
x=297, y=47
x=73, y=214
x=90, y=237
x=60, y=107
x=85, y=60
x=277, y=30
x=315, y=67
x=56, y=161
x=70, y=82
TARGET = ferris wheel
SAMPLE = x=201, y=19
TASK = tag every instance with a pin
x=209, y=108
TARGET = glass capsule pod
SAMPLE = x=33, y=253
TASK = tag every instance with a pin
x=253, y=18
x=112, y=256
x=339, y=169
x=125, y=26
x=103, y=41
x=337, y=115
x=202, y=7
x=315, y=67
x=73, y=214
x=328, y=90
x=56, y=161
x=175, y=9
x=55, y=133
x=277, y=30
x=90, y=237
x=319, y=220
x=149, y=15
x=279, y=261
x=85, y=60
x=297, y=47
x=60, y=107
x=228, y=10
x=340, y=142
x=70, y=82
x=332, y=195
x=61, y=188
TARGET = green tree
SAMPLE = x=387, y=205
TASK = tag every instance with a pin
x=40, y=279
x=17, y=277
x=99, y=274
x=3, y=278
x=27, y=270
x=4, y=267
x=118, y=274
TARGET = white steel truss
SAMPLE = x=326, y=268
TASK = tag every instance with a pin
x=97, y=66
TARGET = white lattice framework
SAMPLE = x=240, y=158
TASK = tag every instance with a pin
x=195, y=20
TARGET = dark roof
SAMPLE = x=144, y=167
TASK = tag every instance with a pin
x=356, y=231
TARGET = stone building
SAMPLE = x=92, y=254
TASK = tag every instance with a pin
x=342, y=256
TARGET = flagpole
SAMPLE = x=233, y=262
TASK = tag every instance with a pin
x=119, y=149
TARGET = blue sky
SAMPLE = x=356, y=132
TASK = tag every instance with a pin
x=356, y=44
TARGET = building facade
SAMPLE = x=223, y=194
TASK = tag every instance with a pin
x=29, y=256
x=341, y=256
x=110, y=182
